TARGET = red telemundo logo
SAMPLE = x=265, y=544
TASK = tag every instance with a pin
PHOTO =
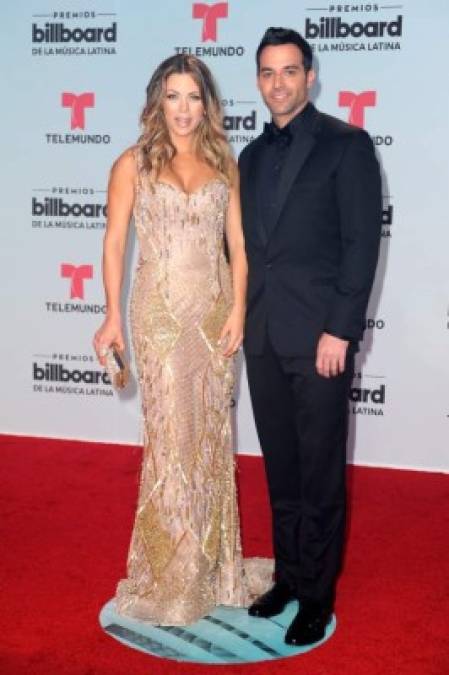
x=357, y=104
x=78, y=104
x=210, y=15
x=77, y=274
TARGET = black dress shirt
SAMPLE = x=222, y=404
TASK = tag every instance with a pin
x=275, y=151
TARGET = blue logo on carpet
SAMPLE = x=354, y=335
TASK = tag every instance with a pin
x=227, y=635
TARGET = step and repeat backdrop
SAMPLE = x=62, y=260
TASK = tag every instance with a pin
x=74, y=77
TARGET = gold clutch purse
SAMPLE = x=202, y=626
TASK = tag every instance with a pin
x=116, y=368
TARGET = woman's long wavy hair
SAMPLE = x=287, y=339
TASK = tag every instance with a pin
x=210, y=140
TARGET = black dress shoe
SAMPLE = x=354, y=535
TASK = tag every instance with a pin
x=272, y=602
x=309, y=625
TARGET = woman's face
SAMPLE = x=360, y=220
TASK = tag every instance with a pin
x=182, y=105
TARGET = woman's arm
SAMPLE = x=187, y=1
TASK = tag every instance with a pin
x=120, y=205
x=233, y=328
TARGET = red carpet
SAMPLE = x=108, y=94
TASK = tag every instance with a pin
x=66, y=513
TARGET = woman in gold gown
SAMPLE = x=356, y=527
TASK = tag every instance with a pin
x=180, y=184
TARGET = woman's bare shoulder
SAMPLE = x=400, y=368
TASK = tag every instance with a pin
x=126, y=164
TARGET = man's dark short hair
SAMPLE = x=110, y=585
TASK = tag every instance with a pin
x=284, y=36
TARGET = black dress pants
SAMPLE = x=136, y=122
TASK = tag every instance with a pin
x=301, y=420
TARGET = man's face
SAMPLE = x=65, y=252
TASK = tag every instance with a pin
x=283, y=82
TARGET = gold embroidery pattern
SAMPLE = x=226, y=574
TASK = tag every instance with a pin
x=211, y=545
x=158, y=543
x=159, y=326
x=214, y=321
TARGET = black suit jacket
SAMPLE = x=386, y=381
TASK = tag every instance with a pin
x=314, y=270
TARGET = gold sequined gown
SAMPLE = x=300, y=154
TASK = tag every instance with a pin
x=185, y=553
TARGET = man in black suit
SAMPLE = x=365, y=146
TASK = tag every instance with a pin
x=311, y=205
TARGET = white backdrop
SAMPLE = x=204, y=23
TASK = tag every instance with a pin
x=74, y=76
